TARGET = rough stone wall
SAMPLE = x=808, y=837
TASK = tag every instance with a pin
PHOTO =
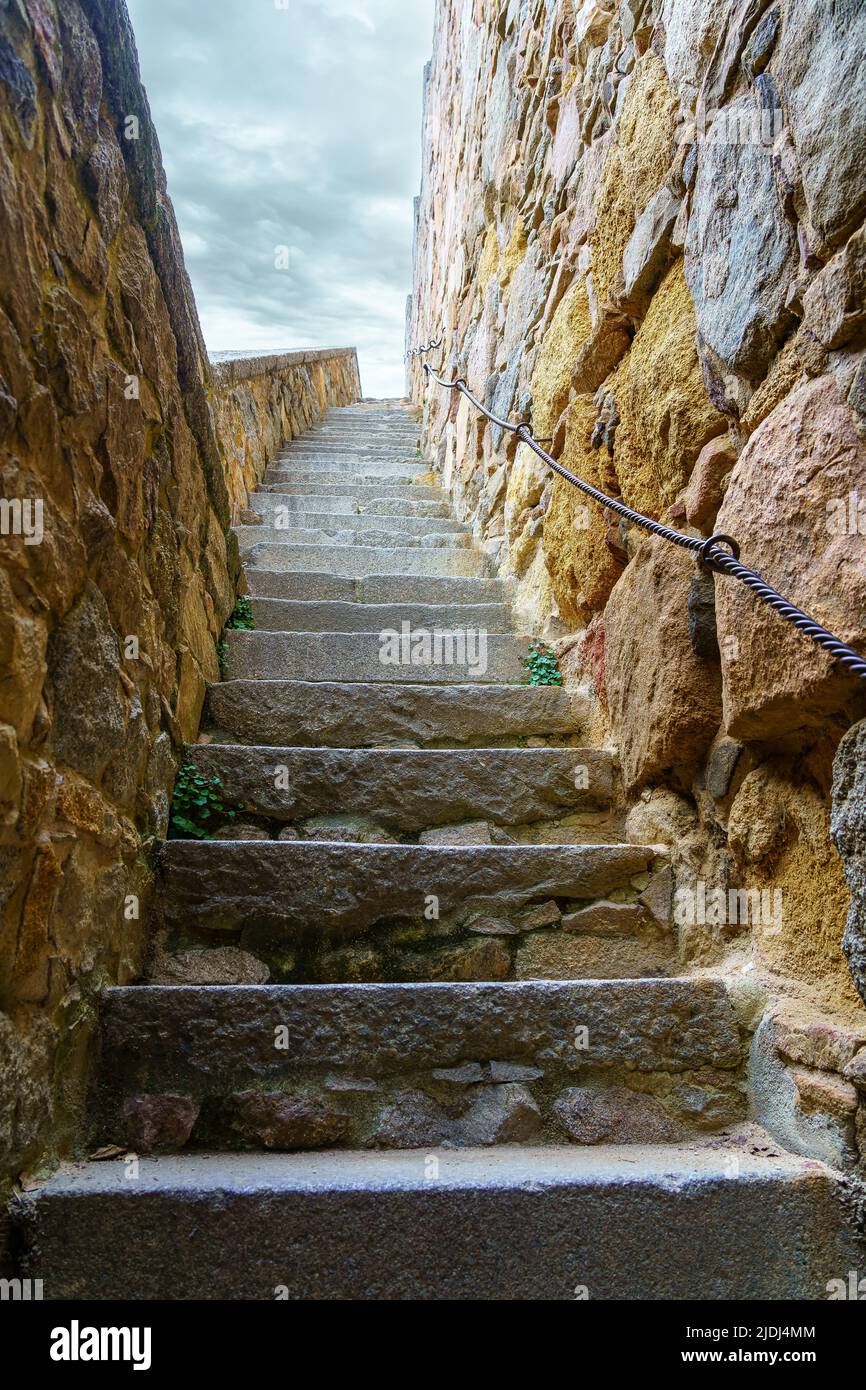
x=262, y=402
x=121, y=455
x=640, y=228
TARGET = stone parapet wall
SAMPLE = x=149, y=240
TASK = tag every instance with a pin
x=122, y=455
x=640, y=229
x=261, y=403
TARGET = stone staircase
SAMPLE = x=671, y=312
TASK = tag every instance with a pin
x=412, y=1027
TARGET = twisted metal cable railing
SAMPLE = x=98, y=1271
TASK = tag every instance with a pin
x=428, y=347
x=709, y=551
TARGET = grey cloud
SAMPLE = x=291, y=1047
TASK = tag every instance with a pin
x=296, y=126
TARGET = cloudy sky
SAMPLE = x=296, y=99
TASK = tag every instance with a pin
x=291, y=132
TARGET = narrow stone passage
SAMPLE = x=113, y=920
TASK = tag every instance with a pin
x=422, y=933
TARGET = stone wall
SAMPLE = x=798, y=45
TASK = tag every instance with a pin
x=260, y=403
x=640, y=229
x=122, y=454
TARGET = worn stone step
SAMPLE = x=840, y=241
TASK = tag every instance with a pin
x=381, y=532
x=410, y=494
x=391, y=516
x=338, y=891
x=346, y=462
x=699, y=1221
x=362, y=561
x=364, y=441
x=309, y=713
x=451, y=656
x=411, y=1065
x=342, y=503
x=389, y=420
x=361, y=445
x=388, y=424
x=411, y=790
x=348, y=479
x=377, y=424
x=292, y=615
x=374, y=588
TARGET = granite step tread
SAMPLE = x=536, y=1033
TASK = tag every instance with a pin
x=350, y=478
x=410, y=494
x=411, y=790
x=390, y=1066
x=393, y=656
x=373, y=588
x=166, y=1036
x=396, y=517
x=339, y=891
x=296, y=615
x=363, y=561
x=339, y=532
x=362, y=445
x=349, y=461
x=323, y=505
x=337, y=715
x=509, y=1223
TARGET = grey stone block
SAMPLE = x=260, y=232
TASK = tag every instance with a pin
x=410, y=789
x=198, y=1039
x=360, y=561
x=365, y=656
x=341, y=890
x=295, y=615
x=525, y=1224
x=352, y=716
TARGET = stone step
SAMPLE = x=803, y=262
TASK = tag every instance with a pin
x=388, y=420
x=361, y=444
x=292, y=615
x=308, y=713
x=338, y=891
x=389, y=516
x=448, y=656
x=365, y=445
x=701, y=1221
x=363, y=561
x=350, y=478
x=407, y=494
x=364, y=502
x=348, y=462
x=411, y=1065
x=361, y=437
x=381, y=532
x=387, y=424
x=411, y=790
x=333, y=456
x=374, y=588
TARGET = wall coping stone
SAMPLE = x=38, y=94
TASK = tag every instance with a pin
x=232, y=370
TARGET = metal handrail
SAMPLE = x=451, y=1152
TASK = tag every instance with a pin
x=428, y=347
x=709, y=551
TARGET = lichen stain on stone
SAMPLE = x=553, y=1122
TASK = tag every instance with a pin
x=568, y=331
x=635, y=167
x=665, y=416
x=582, y=567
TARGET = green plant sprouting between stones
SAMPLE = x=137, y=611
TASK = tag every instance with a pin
x=242, y=614
x=197, y=805
x=541, y=666
x=241, y=618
